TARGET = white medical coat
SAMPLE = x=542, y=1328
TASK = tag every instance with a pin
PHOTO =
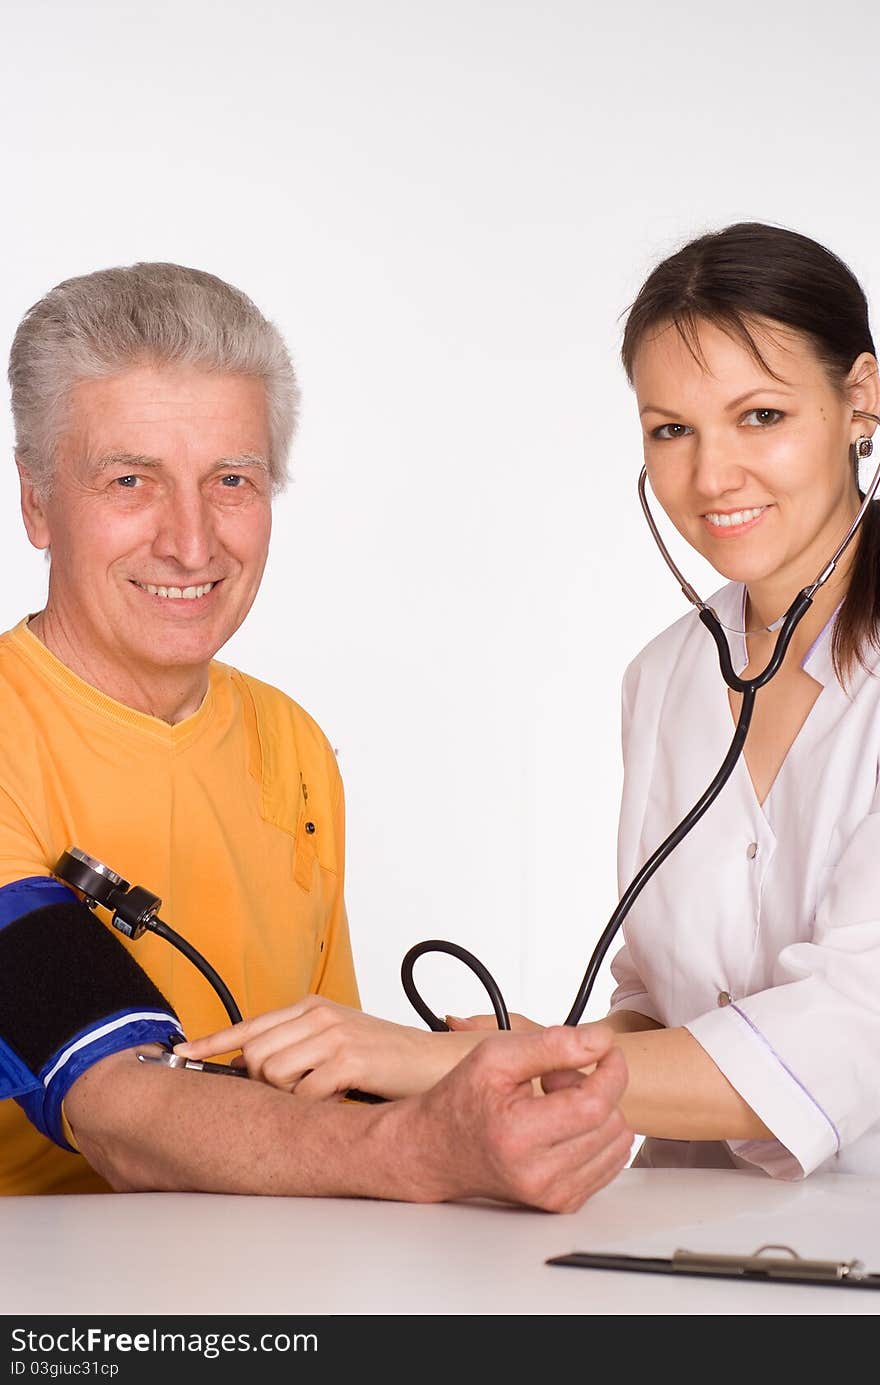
x=776, y=907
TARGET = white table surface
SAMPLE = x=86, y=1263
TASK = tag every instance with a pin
x=191, y=1253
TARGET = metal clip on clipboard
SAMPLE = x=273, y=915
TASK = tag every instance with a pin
x=789, y=1267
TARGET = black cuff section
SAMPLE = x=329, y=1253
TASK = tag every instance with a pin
x=62, y=972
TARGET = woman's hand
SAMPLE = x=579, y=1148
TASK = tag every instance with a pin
x=320, y=1049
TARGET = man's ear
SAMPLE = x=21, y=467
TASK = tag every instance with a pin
x=33, y=510
x=863, y=392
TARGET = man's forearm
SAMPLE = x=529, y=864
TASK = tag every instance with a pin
x=153, y=1129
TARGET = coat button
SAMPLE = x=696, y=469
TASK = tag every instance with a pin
x=724, y=997
x=752, y=850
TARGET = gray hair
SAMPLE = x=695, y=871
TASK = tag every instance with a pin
x=107, y=322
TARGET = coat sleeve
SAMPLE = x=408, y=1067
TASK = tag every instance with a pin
x=803, y=1053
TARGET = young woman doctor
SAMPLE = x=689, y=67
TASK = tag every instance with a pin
x=748, y=981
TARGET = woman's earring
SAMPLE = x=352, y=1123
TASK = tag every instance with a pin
x=861, y=449
x=864, y=447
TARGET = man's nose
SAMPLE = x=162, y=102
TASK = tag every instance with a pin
x=185, y=531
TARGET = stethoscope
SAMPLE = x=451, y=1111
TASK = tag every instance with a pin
x=748, y=687
x=134, y=910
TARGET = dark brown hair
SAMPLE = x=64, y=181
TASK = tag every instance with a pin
x=749, y=271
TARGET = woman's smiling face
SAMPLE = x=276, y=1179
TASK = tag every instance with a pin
x=750, y=462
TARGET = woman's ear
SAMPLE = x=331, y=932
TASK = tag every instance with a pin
x=863, y=392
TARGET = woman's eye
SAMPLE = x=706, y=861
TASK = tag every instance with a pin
x=762, y=418
x=667, y=431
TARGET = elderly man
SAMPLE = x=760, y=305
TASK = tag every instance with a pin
x=154, y=406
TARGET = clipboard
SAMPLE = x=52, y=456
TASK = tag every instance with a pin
x=762, y=1267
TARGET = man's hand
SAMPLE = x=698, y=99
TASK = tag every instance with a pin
x=482, y=1133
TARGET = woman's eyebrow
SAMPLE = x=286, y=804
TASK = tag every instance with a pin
x=655, y=409
x=759, y=389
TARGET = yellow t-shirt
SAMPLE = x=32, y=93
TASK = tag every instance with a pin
x=234, y=817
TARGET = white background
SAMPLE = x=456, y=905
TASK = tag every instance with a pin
x=446, y=207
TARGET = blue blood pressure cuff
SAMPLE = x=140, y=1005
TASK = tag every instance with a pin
x=70, y=994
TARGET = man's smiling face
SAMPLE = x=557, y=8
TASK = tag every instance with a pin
x=160, y=515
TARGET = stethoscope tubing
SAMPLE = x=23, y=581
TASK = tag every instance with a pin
x=748, y=687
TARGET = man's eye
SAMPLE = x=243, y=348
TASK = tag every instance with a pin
x=231, y=481
x=128, y=483
x=762, y=418
x=667, y=431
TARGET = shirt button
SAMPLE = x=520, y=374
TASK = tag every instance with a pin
x=752, y=850
x=724, y=997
